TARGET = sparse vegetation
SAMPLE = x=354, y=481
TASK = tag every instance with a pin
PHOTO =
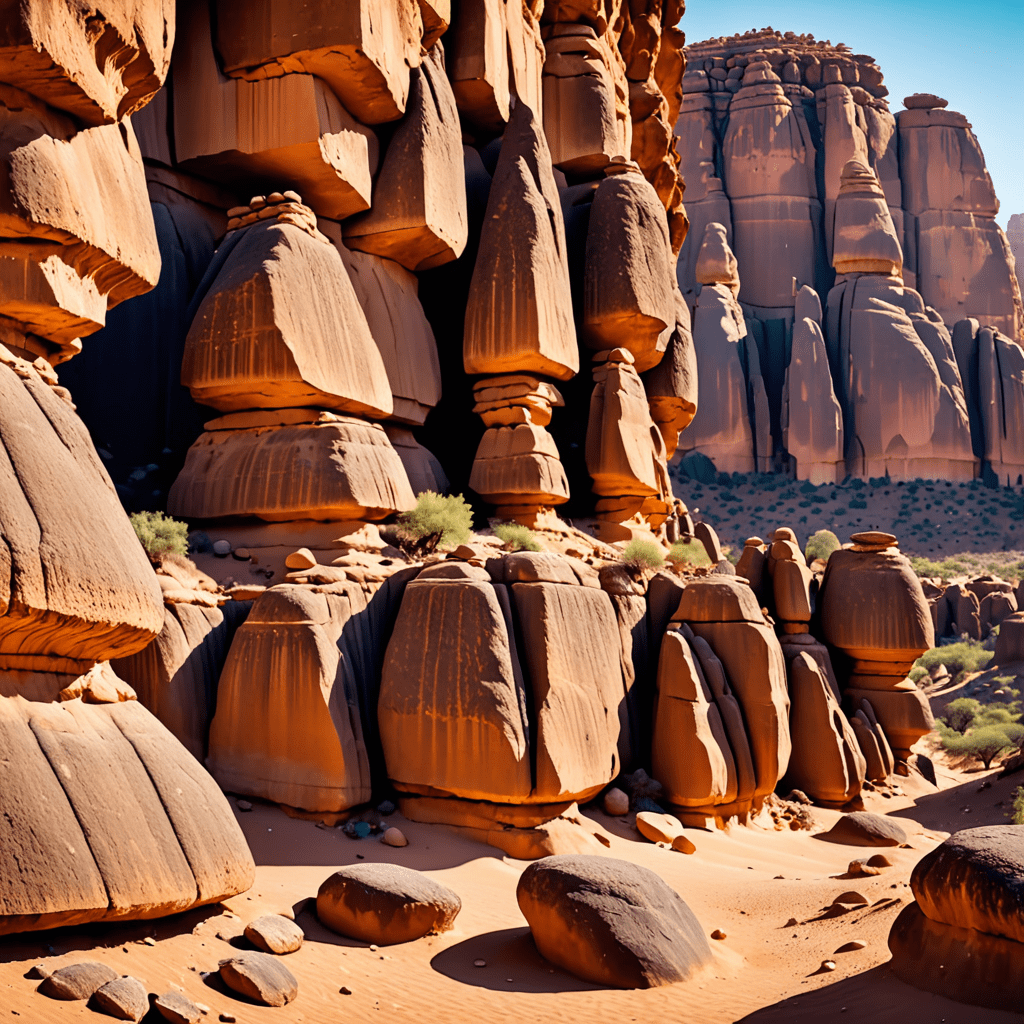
x=983, y=743
x=1017, y=808
x=821, y=545
x=960, y=713
x=689, y=552
x=447, y=517
x=643, y=554
x=159, y=534
x=959, y=658
x=516, y=537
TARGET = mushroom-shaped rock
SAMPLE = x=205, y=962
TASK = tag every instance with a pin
x=611, y=922
x=863, y=828
x=629, y=278
x=123, y=999
x=826, y=763
x=519, y=311
x=273, y=933
x=385, y=904
x=77, y=981
x=261, y=977
x=968, y=918
x=874, y=610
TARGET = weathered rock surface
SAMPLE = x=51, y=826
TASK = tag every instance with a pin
x=260, y=977
x=123, y=999
x=273, y=933
x=385, y=904
x=77, y=981
x=611, y=922
x=177, y=1008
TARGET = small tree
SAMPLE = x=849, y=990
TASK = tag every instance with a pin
x=516, y=537
x=984, y=744
x=445, y=516
x=159, y=534
x=960, y=658
x=821, y=545
x=960, y=713
x=643, y=554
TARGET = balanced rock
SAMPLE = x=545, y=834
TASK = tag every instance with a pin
x=77, y=981
x=123, y=998
x=863, y=828
x=261, y=977
x=611, y=922
x=385, y=904
x=273, y=933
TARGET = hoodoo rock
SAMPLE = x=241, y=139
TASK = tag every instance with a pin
x=611, y=922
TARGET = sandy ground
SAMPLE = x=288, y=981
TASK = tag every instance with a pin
x=747, y=882
x=932, y=518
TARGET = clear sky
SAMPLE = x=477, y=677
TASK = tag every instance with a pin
x=967, y=51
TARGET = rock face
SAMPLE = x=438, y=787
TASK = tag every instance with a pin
x=967, y=915
x=874, y=610
x=385, y=904
x=611, y=922
x=767, y=125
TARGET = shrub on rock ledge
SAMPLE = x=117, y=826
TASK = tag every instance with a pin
x=516, y=537
x=643, y=554
x=160, y=534
x=448, y=515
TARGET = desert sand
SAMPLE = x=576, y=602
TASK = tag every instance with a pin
x=748, y=882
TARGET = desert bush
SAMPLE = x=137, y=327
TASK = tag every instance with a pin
x=159, y=534
x=959, y=658
x=643, y=554
x=446, y=516
x=690, y=552
x=917, y=672
x=960, y=714
x=516, y=537
x=984, y=744
x=821, y=545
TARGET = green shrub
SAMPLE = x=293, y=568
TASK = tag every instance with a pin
x=984, y=744
x=159, y=534
x=690, y=552
x=1017, y=808
x=960, y=714
x=821, y=545
x=643, y=554
x=963, y=656
x=447, y=516
x=516, y=537
x=918, y=672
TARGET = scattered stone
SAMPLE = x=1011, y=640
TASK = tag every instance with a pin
x=273, y=933
x=791, y=923
x=177, y=1008
x=850, y=898
x=659, y=828
x=345, y=990
x=260, y=977
x=77, y=981
x=385, y=904
x=123, y=998
x=828, y=965
x=852, y=946
x=479, y=963
x=301, y=559
x=879, y=860
x=39, y=972
x=385, y=807
x=394, y=837
x=616, y=802
x=683, y=845
x=222, y=548
x=862, y=828
x=610, y=921
x=862, y=867
x=243, y=805
x=718, y=934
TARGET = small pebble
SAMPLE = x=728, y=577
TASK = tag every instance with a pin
x=791, y=923
x=479, y=963
x=718, y=934
x=852, y=946
x=394, y=837
x=149, y=941
x=828, y=965
x=222, y=548
x=345, y=990
x=373, y=949
x=228, y=1018
x=243, y=805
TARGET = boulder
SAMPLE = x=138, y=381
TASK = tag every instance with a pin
x=363, y=51
x=419, y=215
x=260, y=977
x=77, y=981
x=273, y=933
x=519, y=310
x=177, y=1008
x=611, y=922
x=125, y=784
x=863, y=828
x=123, y=999
x=385, y=904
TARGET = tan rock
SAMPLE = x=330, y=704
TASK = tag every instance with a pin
x=419, y=213
x=571, y=647
x=256, y=472
x=387, y=293
x=452, y=706
x=363, y=51
x=261, y=978
x=519, y=312
x=659, y=828
x=54, y=51
x=281, y=326
x=291, y=734
x=123, y=998
x=479, y=65
x=864, y=238
x=629, y=293
x=616, y=802
x=437, y=16
x=672, y=385
x=394, y=837
x=519, y=465
x=385, y=904
x=422, y=468
x=273, y=933
x=77, y=981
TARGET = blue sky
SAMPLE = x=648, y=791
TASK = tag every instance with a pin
x=967, y=51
